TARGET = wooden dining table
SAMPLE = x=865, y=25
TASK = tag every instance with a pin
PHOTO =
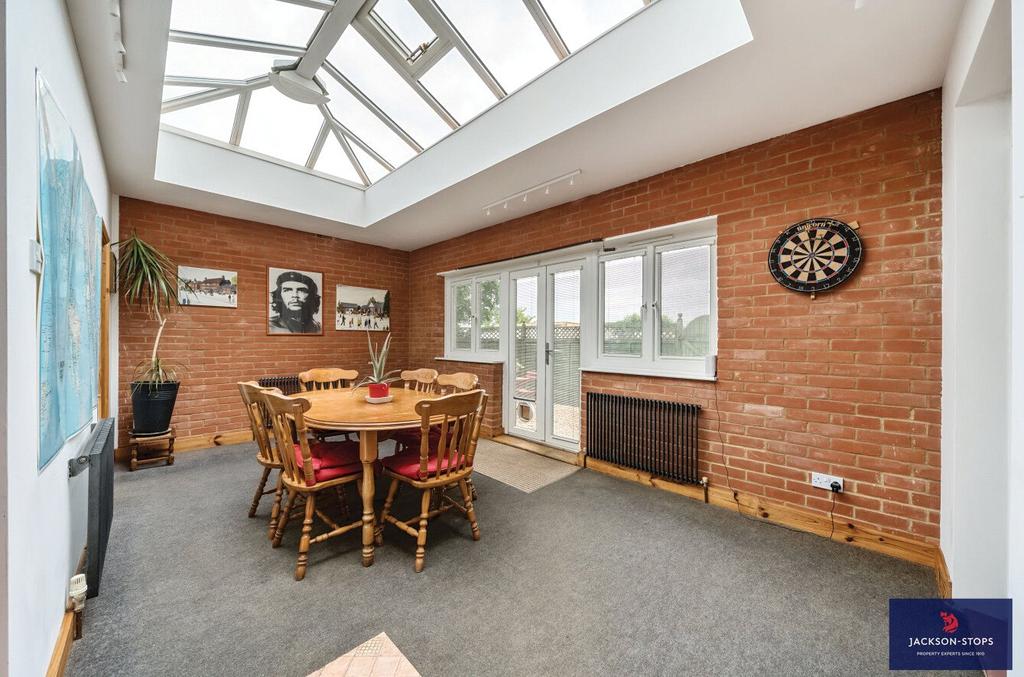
x=346, y=410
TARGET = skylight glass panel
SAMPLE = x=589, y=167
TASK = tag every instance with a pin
x=200, y=61
x=457, y=87
x=487, y=26
x=580, y=21
x=281, y=127
x=405, y=22
x=174, y=92
x=262, y=20
x=364, y=124
x=361, y=64
x=334, y=161
x=213, y=119
x=374, y=170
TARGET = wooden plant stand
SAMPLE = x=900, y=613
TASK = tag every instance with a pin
x=145, y=443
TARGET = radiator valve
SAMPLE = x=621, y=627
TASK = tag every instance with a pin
x=76, y=600
x=704, y=483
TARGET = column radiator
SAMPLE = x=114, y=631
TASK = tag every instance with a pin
x=288, y=385
x=650, y=435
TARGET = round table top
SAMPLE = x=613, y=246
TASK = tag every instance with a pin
x=346, y=409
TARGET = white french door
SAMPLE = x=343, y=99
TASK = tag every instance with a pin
x=544, y=354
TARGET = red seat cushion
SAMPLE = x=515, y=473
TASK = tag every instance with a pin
x=410, y=439
x=331, y=460
x=407, y=464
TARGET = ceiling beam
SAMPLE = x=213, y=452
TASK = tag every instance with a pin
x=352, y=157
x=374, y=37
x=241, y=111
x=207, y=40
x=189, y=81
x=213, y=94
x=324, y=5
x=345, y=131
x=318, y=145
x=374, y=108
x=547, y=27
x=437, y=20
x=327, y=36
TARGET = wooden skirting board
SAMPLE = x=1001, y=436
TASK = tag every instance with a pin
x=942, y=580
x=196, y=442
x=865, y=537
x=61, y=651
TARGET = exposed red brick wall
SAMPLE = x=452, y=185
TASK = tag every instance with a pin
x=848, y=383
x=221, y=346
x=490, y=380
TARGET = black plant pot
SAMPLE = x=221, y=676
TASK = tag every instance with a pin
x=152, y=406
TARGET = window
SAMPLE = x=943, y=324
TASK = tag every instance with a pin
x=474, y=318
x=656, y=310
x=641, y=303
x=623, y=305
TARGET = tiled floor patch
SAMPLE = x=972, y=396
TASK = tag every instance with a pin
x=377, y=657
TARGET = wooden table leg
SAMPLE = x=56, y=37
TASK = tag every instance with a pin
x=368, y=454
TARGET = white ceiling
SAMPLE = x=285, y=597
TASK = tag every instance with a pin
x=809, y=61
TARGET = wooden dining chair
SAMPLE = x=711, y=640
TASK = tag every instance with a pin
x=420, y=380
x=309, y=468
x=266, y=450
x=459, y=382
x=446, y=462
x=327, y=379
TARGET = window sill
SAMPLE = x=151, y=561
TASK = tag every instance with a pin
x=471, y=359
x=642, y=371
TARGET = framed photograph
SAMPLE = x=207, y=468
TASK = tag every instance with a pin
x=294, y=302
x=362, y=309
x=207, y=287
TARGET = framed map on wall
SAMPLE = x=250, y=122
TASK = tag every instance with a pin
x=70, y=231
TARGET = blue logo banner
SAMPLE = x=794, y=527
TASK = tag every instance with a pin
x=950, y=634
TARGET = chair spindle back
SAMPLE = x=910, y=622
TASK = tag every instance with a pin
x=286, y=414
x=459, y=382
x=420, y=380
x=461, y=415
x=252, y=398
x=327, y=379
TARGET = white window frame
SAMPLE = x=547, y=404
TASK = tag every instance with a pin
x=695, y=233
x=650, y=362
x=475, y=353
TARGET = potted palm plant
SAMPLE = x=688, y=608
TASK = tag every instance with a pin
x=379, y=380
x=148, y=278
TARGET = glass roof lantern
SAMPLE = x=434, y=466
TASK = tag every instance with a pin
x=350, y=89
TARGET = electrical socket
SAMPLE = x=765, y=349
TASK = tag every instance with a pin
x=823, y=481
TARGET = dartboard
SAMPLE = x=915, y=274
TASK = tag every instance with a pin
x=815, y=255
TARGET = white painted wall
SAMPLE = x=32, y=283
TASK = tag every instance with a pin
x=1015, y=485
x=976, y=298
x=45, y=518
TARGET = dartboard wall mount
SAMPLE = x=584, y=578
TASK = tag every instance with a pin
x=815, y=255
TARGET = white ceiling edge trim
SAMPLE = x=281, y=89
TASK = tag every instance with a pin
x=666, y=40
x=188, y=162
x=171, y=129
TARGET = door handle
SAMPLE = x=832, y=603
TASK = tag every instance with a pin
x=548, y=350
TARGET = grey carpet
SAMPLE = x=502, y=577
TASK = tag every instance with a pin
x=517, y=468
x=587, y=576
